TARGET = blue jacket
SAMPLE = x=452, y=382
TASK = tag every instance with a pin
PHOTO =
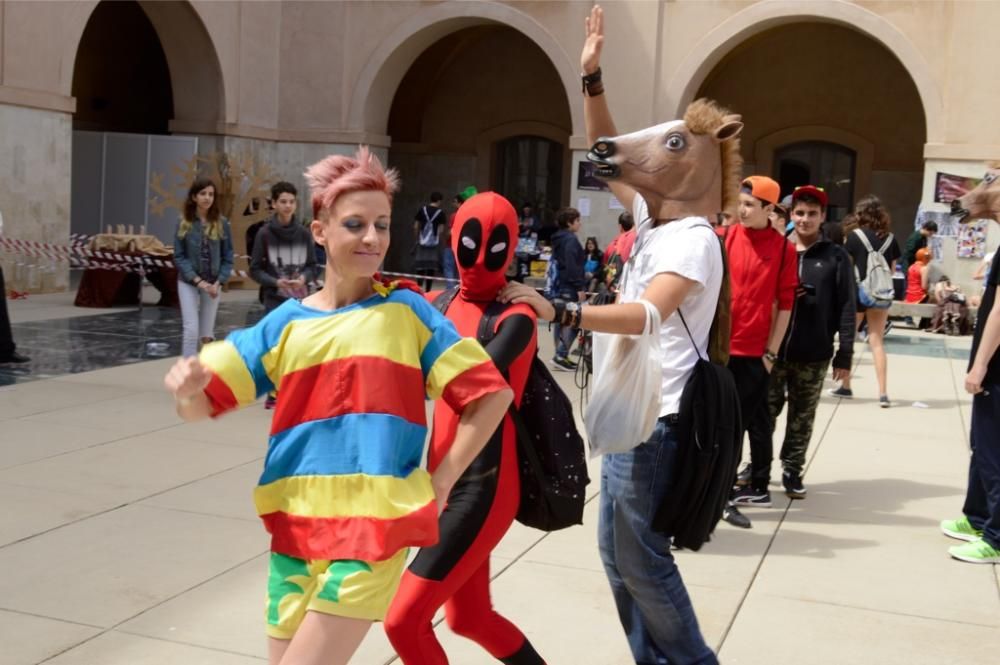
x=187, y=254
x=569, y=255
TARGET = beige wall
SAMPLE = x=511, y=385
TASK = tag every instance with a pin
x=324, y=74
x=301, y=67
x=34, y=191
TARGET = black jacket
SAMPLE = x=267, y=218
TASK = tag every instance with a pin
x=824, y=305
x=568, y=253
x=282, y=251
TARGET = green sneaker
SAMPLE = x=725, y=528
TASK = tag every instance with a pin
x=960, y=529
x=978, y=551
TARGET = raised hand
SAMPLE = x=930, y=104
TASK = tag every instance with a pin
x=590, y=59
x=187, y=378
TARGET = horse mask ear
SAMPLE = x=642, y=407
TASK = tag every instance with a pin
x=730, y=129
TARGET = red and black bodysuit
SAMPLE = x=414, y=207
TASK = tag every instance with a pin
x=483, y=503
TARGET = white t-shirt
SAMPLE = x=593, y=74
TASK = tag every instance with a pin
x=690, y=248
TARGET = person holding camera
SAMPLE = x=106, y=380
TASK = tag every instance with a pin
x=824, y=305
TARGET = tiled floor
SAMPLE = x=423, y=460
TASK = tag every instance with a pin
x=128, y=537
x=71, y=345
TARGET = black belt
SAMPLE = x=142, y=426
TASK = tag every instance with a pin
x=671, y=418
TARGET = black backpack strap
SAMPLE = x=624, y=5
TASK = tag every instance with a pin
x=487, y=324
x=688, y=330
x=444, y=299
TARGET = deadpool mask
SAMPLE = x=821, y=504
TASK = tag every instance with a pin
x=484, y=237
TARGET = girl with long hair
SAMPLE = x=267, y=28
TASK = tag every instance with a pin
x=203, y=254
x=872, y=220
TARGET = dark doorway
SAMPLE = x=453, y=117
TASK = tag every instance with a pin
x=529, y=169
x=830, y=166
x=121, y=80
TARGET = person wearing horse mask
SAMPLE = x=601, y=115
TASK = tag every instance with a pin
x=676, y=177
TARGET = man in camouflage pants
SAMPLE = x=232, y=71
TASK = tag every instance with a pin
x=824, y=306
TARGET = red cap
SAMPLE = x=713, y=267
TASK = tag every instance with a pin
x=763, y=188
x=810, y=190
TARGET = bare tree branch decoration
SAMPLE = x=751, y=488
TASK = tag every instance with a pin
x=243, y=187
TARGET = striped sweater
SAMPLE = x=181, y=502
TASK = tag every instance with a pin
x=342, y=476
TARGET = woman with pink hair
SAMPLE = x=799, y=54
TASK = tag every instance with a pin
x=342, y=492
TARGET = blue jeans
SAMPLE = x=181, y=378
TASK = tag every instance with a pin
x=653, y=605
x=982, y=498
x=562, y=335
x=448, y=267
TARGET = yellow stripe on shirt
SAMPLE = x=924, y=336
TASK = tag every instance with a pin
x=223, y=359
x=351, y=495
x=459, y=357
x=388, y=330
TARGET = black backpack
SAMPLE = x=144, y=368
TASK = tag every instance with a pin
x=552, y=463
x=709, y=437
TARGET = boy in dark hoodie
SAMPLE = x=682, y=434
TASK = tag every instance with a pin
x=283, y=260
x=824, y=306
x=569, y=257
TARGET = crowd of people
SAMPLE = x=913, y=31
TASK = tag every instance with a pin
x=343, y=492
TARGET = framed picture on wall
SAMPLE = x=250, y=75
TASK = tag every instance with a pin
x=948, y=187
x=587, y=180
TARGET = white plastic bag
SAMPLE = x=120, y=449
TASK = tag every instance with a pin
x=628, y=380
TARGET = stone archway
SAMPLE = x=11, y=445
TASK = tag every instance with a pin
x=445, y=89
x=141, y=70
x=199, y=90
x=714, y=46
x=828, y=105
x=373, y=92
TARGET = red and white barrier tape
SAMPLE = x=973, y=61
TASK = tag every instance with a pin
x=79, y=256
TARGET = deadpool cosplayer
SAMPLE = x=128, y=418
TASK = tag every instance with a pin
x=483, y=503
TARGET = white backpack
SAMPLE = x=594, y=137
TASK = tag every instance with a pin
x=875, y=290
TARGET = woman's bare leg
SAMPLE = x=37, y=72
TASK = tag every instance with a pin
x=276, y=649
x=876, y=339
x=845, y=383
x=324, y=639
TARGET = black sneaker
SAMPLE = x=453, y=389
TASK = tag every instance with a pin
x=794, y=488
x=733, y=515
x=563, y=364
x=748, y=496
x=14, y=357
x=743, y=477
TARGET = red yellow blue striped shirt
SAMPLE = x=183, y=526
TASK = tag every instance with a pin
x=342, y=476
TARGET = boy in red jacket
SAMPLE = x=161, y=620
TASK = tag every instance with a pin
x=762, y=267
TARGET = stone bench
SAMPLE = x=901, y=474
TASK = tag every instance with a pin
x=921, y=310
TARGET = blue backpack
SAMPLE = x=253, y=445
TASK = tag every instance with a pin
x=552, y=285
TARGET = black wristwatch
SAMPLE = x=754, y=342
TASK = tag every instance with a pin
x=771, y=357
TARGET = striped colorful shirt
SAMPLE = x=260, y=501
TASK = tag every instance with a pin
x=342, y=476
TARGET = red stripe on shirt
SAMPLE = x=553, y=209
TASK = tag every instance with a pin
x=220, y=396
x=363, y=538
x=359, y=384
x=473, y=383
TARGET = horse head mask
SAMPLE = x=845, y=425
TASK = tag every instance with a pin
x=983, y=202
x=690, y=166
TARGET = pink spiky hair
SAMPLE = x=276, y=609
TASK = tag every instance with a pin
x=335, y=175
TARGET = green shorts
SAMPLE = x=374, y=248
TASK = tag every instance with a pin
x=347, y=588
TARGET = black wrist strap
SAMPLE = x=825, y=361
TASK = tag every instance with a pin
x=592, y=85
